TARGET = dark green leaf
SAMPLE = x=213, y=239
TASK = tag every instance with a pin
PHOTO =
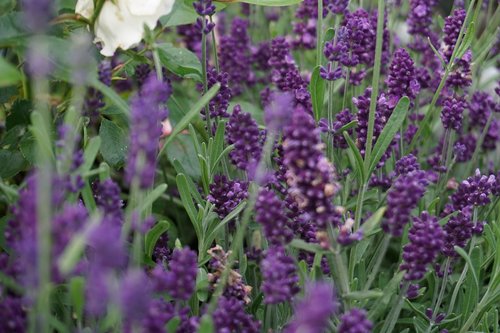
x=114, y=143
x=390, y=129
x=358, y=160
x=373, y=222
x=77, y=295
x=361, y=295
x=206, y=324
x=180, y=61
x=112, y=95
x=12, y=162
x=183, y=187
x=90, y=153
x=317, y=90
x=11, y=29
x=152, y=196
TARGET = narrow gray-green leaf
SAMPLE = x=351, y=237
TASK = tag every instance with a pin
x=390, y=129
x=467, y=259
x=358, y=160
x=317, y=90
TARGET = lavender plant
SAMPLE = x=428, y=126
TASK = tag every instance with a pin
x=249, y=166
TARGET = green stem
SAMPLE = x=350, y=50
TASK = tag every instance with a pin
x=380, y=256
x=393, y=316
x=214, y=46
x=440, y=296
x=375, y=84
x=319, y=34
x=204, y=73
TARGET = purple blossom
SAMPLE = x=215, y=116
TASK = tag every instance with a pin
x=310, y=176
x=230, y=316
x=14, y=315
x=191, y=37
x=461, y=75
x=402, y=198
x=475, y=191
x=279, y=274
x=226, y=194
x=464, y=147
x=452, y=112
x=407, y=164
x=492, y=135
x=313, y=312
x=305, y=34
x=243, y=132
x=37, y=14
x=235, y=56
x=181, y=277
x=270, y=212
x=277, y=112
x=459, y=230
x=134, y=297
x=219, y=104
x=105, y=250
x=159, y=313
x=401, y=80
x=426, y=241
x=107, y=197
x=342, y=118
x=161, y=252
x=452, y=26
x=480, y=107
x=420, y=17
x=147, y=113
x=355, y=321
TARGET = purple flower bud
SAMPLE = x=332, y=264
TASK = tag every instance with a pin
x=219, y=104
x=426, y=241
x=226, y=194
x=243, y=132
x=279, y=274
x=230, y=316
x=147, y=114
x=181, y=277
x=412, y=291
x=474, y=191
x=401, y=80
x=270, y=212
x=313, y=312
x=355, y=321
x=407, y=164
x=134, y=297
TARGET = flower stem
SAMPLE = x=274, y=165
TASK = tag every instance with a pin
x=392, y=318
x=204, y=73
x=380, y=256
x=319, y=34
x=440, y=296
x=375, y=84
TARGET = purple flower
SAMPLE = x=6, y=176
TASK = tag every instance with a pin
x=412, y=291
x=230, y=316
x=355, y=321
x=270, y=212
x=147, y=113
x=181, y=277
x=337, y=6
x=475, y=191
x=235, y=56
x=134, y=297
x=459, y=230
x=480, y=107
x=452, y=26
x=226, y=194
x=279, y=274
x=452, y=112
x=219, y=104
x=401, y=80
x=105, y=249
x=285, y=73
x=461, y=75
x=313, y=312
x=161, y=252
x=191, y=37
x=14, y=315
x=402, y=198
x=277, y=112
x=107, y=197
x=407, y=164
x=492, y=135
x=243, y=132
x=204, y=8
x=37, y=14
x=159, y=313
x=342, y=118
x=426, y=241
x=464, y=148
x=310, y=176
x=420, y=17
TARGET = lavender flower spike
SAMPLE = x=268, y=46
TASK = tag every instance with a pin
x=355, y=321
x=147, y=114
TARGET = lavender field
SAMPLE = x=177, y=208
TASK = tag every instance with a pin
x=249, y=166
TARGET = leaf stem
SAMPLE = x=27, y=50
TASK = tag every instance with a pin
x=319, y=34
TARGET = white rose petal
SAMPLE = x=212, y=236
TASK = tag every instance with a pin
x=85, y=8
x=121, y=23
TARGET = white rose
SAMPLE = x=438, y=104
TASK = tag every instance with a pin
x=120, y=24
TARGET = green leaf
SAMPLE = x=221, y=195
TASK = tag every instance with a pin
x=152, y=196
x=77, y=295
x=468, y=260
x=192, y=186
x=272, y=3
x=309, y=247
x=183, y=187
x=12, y=162
x=180, y=61
x=114, y=143
x=390, y=129
x=173, y=324
x=112, y=95
x=358, y=160
x=9, y=75
x=184, y=13
x=182, y=150
x=72, y=253
x=348, y=126
x=90, y=153
x=12, y=29
x=206, y=324
x=195, y=110
x=361, y=295
x=466, y=41
x=154, y=234
x=317, y=90
x=370, y=226
x=202, y=285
